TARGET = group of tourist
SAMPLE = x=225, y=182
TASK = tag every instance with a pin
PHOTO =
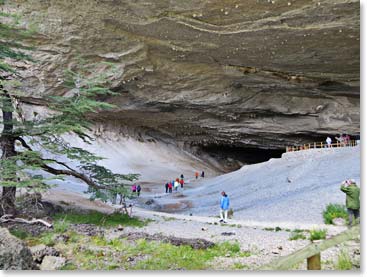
x=343, y=139
x=135, y=189
x=175, y=184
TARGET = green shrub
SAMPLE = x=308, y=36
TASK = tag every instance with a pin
x=230, y=213
x=344, y=261
x=296, y=236
x=47, y=239
x=317, y=234
x=334, y=211
x=277, y=229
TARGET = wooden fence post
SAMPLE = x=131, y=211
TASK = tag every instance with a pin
x=314, y=262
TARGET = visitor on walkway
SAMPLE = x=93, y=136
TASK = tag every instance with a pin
x=182, y=183
x=182, y=176
x=133, y=188
x=328, y=142
x=170, y=187
x=166, y=186
x=224, y=206
x=350, y=188
x=138, y=189
x=202, y=174
x=176, y=185
x=196, y=175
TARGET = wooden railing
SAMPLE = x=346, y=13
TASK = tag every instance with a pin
x=321, y=145
x=312, y=252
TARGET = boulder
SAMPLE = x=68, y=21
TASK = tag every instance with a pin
x=41, y=250
x=14, y=254
x=52, y=263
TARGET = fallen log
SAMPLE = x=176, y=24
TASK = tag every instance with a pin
x=9, y=218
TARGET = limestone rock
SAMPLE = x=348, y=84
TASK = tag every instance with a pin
x=52, y=263
x=14, y=254
x=41, y=250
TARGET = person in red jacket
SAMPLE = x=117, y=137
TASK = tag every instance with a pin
x=196, y=174
x=170, y=187
x=182, y=182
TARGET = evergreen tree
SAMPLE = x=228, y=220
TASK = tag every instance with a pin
x=29, y=145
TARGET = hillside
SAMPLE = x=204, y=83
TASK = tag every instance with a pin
x=294, y=188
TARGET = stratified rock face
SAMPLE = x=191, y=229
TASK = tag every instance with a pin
x=221, y=73
x=14, y=254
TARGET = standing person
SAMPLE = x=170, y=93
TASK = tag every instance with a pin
x=176, y=185
x=138, y=189
x=196, y=175
x=224, y=206
x=202, y=174
x=133, y=188
x=182, y=176
x=328, y=142
x=166, y=186
x=170, y=187
x=182, y=183
x=349, y=187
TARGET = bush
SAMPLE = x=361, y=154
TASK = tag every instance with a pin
x=334, y=211
x=230, y=213
x=317, y=234
x=344, y=261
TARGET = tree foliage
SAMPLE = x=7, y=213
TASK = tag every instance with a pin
x=32, y=146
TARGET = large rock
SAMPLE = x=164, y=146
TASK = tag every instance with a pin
x=14, y=254
x=41, y=250
x=52, y=263
x=217, y=76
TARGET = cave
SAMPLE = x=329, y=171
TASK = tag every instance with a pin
x=232, y=158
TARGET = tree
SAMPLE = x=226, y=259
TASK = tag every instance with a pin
x=32, y=146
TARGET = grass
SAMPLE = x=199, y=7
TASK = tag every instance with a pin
x=20, y=234
x=296, y=236
x=317, y=234
x=101, y=219
x=344, y=262
x=334, y=211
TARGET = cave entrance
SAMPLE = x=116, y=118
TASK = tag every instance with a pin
x=231, y=158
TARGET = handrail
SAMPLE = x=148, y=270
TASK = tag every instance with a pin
x=315, y=145
x=311, y=250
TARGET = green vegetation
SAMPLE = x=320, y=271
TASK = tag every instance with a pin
x=20, y=234
x=268, y=229
x=317, y=234
x=344, y=262
x=296, y=236
x=230, y=213
x=100, y=219
x=277, y=229
x=334, y=211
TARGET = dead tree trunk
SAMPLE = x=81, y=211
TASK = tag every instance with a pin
x=7, y=144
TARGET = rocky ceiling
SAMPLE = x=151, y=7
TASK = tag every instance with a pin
x=251, y=73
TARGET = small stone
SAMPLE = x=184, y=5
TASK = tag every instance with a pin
x=204, y=229
x=120, y=228
x=280, y=247
x=338, y=221
x=289, y=3
x=226, y=13
x=275, y=252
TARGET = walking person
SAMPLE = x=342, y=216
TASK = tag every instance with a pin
x=224, y=206
x=350, y=188
x=170, y=187
x=196, y=175
x=138, y=189
x=166, y=186
x=202, y=174
x=176, y=185
x=182, y=183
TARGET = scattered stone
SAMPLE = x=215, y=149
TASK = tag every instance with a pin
x=338, y=221
x=61, y=238
x=120, y=228
x=194, y=243
x=228, y=234
x=204, y=229
x=14, y=254
x=275, y=252
x=280, y=247
x=41, y=250
x=52, y=263
x=88, y=229
x=149, y=202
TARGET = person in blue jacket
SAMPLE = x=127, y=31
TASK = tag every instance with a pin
x=224, y=206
